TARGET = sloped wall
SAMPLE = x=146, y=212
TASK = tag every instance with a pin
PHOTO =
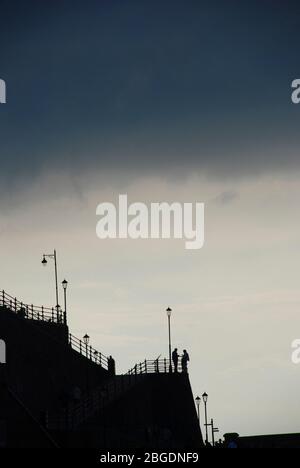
x=157, y=413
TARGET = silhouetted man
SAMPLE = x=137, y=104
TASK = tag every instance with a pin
x=111, y=365
x=22, y=313
x=184, y=360
x=175, y=359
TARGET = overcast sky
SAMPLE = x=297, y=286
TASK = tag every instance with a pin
x=165, y=101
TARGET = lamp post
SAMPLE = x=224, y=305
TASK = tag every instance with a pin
x=44, y=263
x=86, y=340
x=205, y=398
x=214, y=430
x=65, y=285
x=169, y=312
x=198, y=400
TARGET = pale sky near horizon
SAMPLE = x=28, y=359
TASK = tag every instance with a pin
x=189, y=101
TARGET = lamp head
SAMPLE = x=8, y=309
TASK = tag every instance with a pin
x=44, y=261
x=86, y=339
x=65, y=284
x=205, y=397
x=169, y=311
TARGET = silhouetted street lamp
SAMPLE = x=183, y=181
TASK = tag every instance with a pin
x=214, y=430
x=169, y=312
x=44, y=263
x=205, y=398
x=65, y=285
x=198, y=400
x=86, y=340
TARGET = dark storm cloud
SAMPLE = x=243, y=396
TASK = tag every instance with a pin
x=149, y=85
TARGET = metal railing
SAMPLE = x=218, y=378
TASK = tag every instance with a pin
x=31, y=312
x=157, y=366
x=77, y=413
x=51, y=314
x=96, y=400
x=88, y=351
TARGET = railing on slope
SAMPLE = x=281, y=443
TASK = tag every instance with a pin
x=89, y=352
x=90, y=404
x=48, y=314
x=96, y=400
x=156, y=366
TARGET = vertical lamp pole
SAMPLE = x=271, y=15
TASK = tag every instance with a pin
x=169, y=312
x=65, y=285
x=44, y=262
x=86, y=340
x=204, y=398
x=198, y=400
x=214, y=430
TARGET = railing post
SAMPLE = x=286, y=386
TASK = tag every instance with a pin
x=3, y=298
x=52, y=314
x=42, y=312
x=32, y=311
x=145, y=366
x=15, y=304
x=80, y=348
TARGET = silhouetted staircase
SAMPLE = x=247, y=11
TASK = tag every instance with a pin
x=92, y=403
x=101, y=397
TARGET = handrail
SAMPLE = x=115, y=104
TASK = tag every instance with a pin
x=95, y=401
x=156, y=366
x=88, y=351
x=50, y=314
x=47, y=314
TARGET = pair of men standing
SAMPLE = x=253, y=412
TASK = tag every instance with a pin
x=184, y=360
